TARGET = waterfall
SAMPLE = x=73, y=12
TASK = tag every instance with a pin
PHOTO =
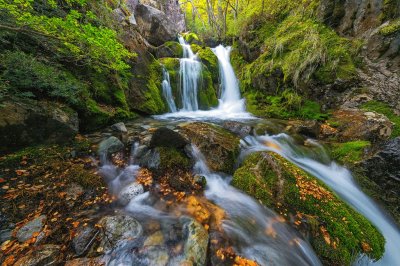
x=190, y=72
x=340, y=180
x=167, y=91
x=230, y=92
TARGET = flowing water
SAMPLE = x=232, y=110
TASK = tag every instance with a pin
x=254, y=231
x=167, y=91
x=190, y=71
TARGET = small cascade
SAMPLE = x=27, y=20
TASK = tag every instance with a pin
x=230, y=92
x=190, y=72
x=340, y=180
x=167, y=91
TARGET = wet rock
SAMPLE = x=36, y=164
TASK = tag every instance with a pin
x=157, y=256
x=5, y=235
x=150, y=159
x=384, y=166
x=353, y=124
x=119, y=127
x=169, y=50
x=154, y=25
x=156, y=239
x=310, y=128
x=238, y=128
x=44, y=256
x=83, y=239
x=119, y=230
x=195, y=248
x=219, y=146
x=200, y=180
x=130, y=192
x=110, y=145
x=34, y=226
x=86, y=262
x=165, y=137
x=24, y=123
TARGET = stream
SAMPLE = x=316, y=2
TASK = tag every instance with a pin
x=246, y=221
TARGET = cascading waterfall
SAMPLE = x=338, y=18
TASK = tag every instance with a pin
x=340, y=181
x=230, y=93
x=190, y=71
x=167, y=91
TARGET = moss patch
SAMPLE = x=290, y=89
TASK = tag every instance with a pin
x=349, y=152
x=386, y=110
x=171, y=158
x=338, y=232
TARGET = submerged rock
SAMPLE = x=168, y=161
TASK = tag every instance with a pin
x=335, y=230
x=130, y=192
x=219, y=146
x=195, y=247
x=118, y=230
x=34, y=226
x=44, y=256
x=86, y=262
x=110, y=145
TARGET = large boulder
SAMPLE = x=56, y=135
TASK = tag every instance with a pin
x=165, y=137
x=28, y=122
x=335, y=230
x=219, y=146
x=384, y=166
x=154, y=25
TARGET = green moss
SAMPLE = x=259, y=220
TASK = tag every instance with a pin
x=386, y=110
x=191, y=37
x=154, y=102
x=170, y=49
x=207, y=93
x=289, y=190
x=391, y=28
x=349, y=152
x=210, y=60
x=286, y=105
x=390, y=9
x=171, y=158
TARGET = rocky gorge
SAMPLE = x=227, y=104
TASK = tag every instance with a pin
x=162, y=162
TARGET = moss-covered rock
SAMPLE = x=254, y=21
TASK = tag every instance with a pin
x=169, y=49
x=191, y=37
x=338, y=233
x=172, y=158
x=219, y=146
x=145, y=90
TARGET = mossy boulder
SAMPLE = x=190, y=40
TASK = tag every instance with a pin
x=219, y=146
x=337, y=232
x=172, y=65
x=169, y=49
x=191, y=37
x=144, y=94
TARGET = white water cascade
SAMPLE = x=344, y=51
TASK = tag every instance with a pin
x=259, y=233
x=340, y=181
x=167, y=91
x=231, y=105
x=190, y=72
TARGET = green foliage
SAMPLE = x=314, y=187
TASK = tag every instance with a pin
x=302, y=47
x=36, y=78
x=78, y=39
x=391, y=28
x=349, y=152
x=286, y=105
x=281, y=185
x=386, y=110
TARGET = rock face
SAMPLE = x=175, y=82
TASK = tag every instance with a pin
x=154, y=25
x=384, y=166
x=32, y=122
x=219, y=146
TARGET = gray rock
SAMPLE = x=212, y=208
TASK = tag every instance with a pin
x=238, y=128
x=119, y=127
x=157, y=256
x=83, y=239
x=165, y=137
x=110, y=145
x=130, y=192
x=118, y=230
x=195, y=248
x=154, y=25
x=151, y=159
x=24, y=123
x=43, y=256
x=5, y=235
x=26, y=231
